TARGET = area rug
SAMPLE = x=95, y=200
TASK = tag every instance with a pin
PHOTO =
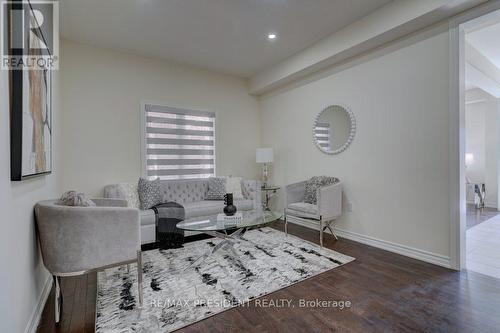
x=265, y=261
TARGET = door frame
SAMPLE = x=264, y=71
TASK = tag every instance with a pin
x=458, y=26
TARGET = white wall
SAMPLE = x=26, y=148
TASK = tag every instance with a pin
x=492, y=152
x=475, y=140
x=395, y=173
x=22, y=274
x=101, y=95
x=482, y=122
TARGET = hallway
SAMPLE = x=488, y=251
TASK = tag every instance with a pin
x=483, y=245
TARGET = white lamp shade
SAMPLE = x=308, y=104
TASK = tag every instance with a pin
x=469, y=159
x=264, y=155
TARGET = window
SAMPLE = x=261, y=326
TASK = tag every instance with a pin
x=178, y=143
x=323, y=134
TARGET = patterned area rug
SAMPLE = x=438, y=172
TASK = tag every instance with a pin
x=265, y=261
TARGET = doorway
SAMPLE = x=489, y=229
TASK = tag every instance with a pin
x=480, y=144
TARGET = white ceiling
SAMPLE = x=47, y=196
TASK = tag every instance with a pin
x=482, y=53
x=228, y=36
x=487, y=41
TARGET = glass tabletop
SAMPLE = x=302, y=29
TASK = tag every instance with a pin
x=210, y=223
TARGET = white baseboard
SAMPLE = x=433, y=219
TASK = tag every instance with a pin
x=404, y=250
x=37, y=311
x=490, y=205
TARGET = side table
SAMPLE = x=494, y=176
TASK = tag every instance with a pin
x=269, y=191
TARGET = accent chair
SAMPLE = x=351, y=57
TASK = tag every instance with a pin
x=327, y=209
x=78, y=240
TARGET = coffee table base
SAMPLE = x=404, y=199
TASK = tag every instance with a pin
x=228, y=242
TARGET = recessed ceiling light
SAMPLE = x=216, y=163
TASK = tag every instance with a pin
x=272, y=36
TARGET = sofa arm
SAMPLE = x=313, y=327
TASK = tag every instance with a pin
x=110, y=202
x=330, y=201
x=252, y=191
x=76, y=239
x=295, y=193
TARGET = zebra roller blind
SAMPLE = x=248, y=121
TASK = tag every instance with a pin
x=180, y=143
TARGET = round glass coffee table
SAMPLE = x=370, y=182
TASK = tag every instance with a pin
x=210, y=225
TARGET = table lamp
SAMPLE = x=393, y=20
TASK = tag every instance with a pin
x=264, y=156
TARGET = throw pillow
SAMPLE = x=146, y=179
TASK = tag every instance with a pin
x=233, y=185
x=73, y=198
x=149, y=193
x=313, y=184
x=248, y=188
x=130, y=193
x=216, y=188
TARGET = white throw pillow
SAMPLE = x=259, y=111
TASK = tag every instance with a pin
x=131, y=194
x=73, y=198
x=233, y=185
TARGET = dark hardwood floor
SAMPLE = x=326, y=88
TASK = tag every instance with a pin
x=388, y=292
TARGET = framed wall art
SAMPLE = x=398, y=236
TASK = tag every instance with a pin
x=30, y=95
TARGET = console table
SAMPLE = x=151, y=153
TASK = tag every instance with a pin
x=476, y=192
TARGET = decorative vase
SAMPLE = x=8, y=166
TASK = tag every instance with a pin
x=230, y=209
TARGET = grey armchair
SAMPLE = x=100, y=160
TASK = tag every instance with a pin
x=325, y=212
x=80, y=240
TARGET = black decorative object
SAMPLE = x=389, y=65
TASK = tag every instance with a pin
x=230, y=209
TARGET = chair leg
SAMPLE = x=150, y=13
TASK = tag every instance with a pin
x=331, y=230
x=321, y=231
x=57, y=294
x=139, y=277
x=286, y=224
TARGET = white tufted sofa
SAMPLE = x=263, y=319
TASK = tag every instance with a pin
x=189, y=193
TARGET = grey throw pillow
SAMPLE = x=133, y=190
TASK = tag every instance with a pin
x=73, y=198
x=216, y=188
x=313, y=184
x=149, y=193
